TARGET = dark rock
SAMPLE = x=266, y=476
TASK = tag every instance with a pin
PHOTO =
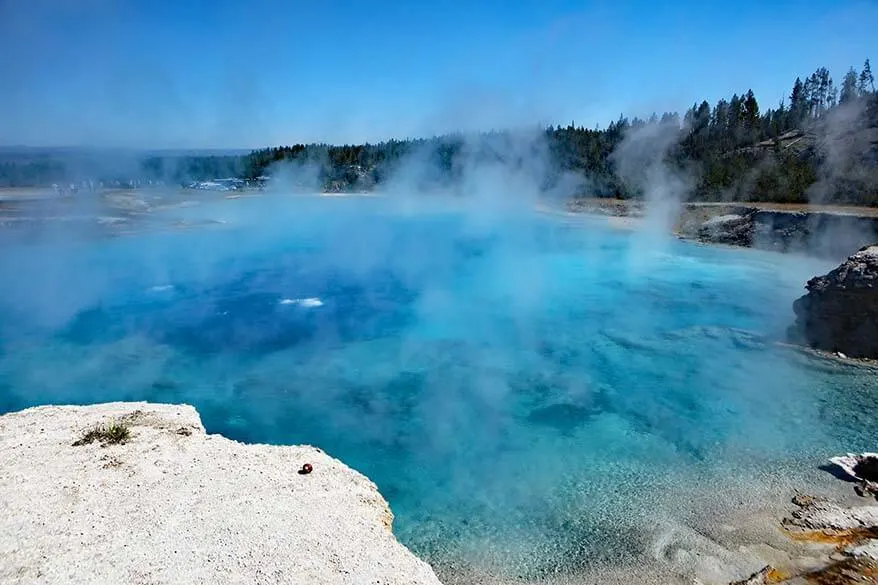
x=867, y=489
x=867, y=468
x=840, y=311
x=733, y=229
x=817, y=233
x=862, y=467
x=823, y=234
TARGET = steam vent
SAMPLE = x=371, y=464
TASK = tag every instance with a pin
x=840, y=311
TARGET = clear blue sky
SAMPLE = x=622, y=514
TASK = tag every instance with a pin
x=236, y=73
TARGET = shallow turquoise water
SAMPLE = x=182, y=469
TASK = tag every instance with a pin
x=524, y=389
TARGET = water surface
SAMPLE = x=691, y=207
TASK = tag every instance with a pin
x=533, y=394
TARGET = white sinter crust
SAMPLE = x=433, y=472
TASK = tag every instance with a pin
x=175, y=505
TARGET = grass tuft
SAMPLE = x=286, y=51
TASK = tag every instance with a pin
x=114, y=433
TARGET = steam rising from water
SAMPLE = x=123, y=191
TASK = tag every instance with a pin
x=529, y=403
x=641, y=162
x=535, y=394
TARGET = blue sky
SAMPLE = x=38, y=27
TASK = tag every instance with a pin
x=228, y=73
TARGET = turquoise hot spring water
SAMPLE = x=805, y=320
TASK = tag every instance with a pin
x=534, y=394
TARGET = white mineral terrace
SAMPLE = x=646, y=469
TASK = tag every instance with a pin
x=175, y=505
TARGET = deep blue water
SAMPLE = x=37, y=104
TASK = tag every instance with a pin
x=522, y=388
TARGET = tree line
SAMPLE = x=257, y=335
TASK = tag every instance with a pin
x=734, y=149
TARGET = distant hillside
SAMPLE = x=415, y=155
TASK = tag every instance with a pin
x=113, y=167
x=821, y=145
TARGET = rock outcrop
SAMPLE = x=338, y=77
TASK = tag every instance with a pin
x=862, y=468
x=828, y=519
x=822, y=234
x=154, y=499
x=847, y=537
x=822, y=231
x=732, y=229
x=817, y=233
x=840, y=311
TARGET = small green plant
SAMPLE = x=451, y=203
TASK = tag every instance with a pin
x=114, y=433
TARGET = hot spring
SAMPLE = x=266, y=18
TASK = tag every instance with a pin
x=534, y=394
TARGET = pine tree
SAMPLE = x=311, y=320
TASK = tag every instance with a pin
x=819, y=87
x=736, y=118
x=779, y=119
x=734, y=112
x=751, y=109
x=812, y=94
x=671, y=118
x=798, y=103
x=831, y=95
x=867, y=82
x=849, y=89
x=720, y=122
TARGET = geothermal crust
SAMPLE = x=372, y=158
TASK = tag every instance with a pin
x=176, y=505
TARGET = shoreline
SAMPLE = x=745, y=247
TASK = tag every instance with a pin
x=635, y=206
x=723, y=534
x=825, y=231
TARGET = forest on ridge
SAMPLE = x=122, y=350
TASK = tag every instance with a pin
x=820, y=144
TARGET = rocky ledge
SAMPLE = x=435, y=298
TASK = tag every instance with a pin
x=139, y=493
x=840, y=311
x=825, y=234
x=823, y=231
x=844, y=549
x=841, y=541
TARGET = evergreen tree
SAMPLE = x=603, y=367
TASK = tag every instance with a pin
x=671, y=118
x=866, y=81
x=719, y=123
x=734, y=113
x=702, y=116
x=831, y=95
x=779, y=118
x=824, y=90
x=751, y=110
x=812, y=97
x=798, y=103
x=689, y=116
x=849, y=89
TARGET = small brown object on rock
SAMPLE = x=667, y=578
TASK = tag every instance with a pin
x=803, y=500
x=306, y=469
